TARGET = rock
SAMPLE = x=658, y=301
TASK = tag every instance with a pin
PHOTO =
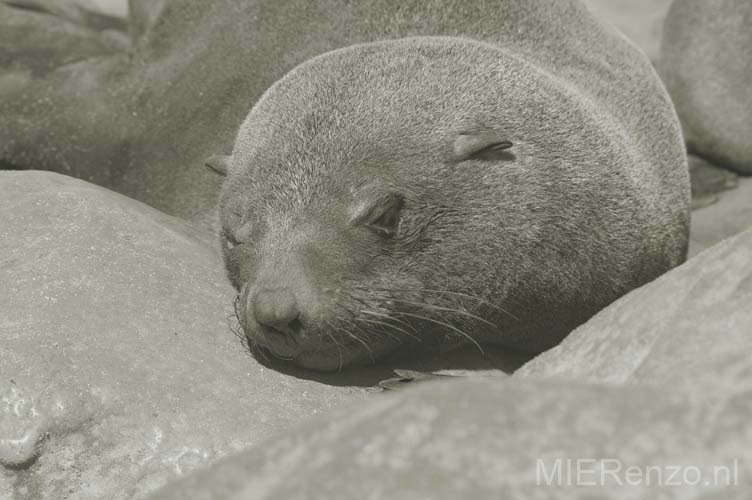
x=32, y=44
x=730, y=216
x=706, y=64
x=708, y=181
x=142, y=15
x=118, y=364
x=691, y=327
x=640, y=20
x=114, y=8
x=500, y=439
x=653, y=395
x=88, y=14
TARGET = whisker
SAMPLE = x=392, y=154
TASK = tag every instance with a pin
x=384, y=323
x=458, y=294
x=451, y=327
x=385, y=315
x=448, y=309
x=385, y=332
x=257, y=349
x=353, y=322
x=339, y=347
x=365, y=344
x=278, y=356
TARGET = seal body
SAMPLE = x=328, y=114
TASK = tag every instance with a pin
x=437, y=190
x=706, y=63
x=142, y=121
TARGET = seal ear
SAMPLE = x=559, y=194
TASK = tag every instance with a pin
x=484, y=146
x=219, y=164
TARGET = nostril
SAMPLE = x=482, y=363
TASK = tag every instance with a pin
x=276, y=309
x=290, y=328
x=295, y=325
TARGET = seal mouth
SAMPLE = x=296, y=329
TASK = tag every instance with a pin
x=279, y=344
x=322, y=352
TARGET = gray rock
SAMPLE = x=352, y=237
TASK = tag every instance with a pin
x=640, y=20
x=485, y=439
x=692, y=326
x=34, y=43
x=730, y=216
x=705, y=63
x=114, y=380
x=118, y=365
x=659, y=382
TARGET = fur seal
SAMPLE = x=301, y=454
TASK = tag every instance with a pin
x=142, y=121
x=706, y=64
x=435, y=190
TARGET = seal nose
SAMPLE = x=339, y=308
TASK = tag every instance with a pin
x=277, y=309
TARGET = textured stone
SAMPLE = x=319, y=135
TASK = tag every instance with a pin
x=640, y=20
x=33, y=44
x=692, y=326
x=118, y=364
x=660, y=381
x=705, y=63
x=730, y=216
x=484, y=439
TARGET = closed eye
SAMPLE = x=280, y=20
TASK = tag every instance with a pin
x=384, y=216
x=229, y=239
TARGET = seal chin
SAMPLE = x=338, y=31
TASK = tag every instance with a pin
x=320, y=353
x=327, y=356
x=277, y=343
x=323, y=360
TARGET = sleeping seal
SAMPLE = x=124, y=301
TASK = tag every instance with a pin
x=432, y=191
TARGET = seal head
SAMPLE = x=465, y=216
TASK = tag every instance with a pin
x=430, y=192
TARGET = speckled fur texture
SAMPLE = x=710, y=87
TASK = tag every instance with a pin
x=518, y=249
x=142, y=122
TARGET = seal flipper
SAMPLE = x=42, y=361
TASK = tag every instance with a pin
x=404, y=377
x=219, y=163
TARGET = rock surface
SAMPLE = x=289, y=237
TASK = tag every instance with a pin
x=117, y=8
x=32, y=44
x=108, y=388
x=706, y=64
x=732, y=214
x=640, y=20
x=660, y=381
x=118, y=365
x=500, y=439
x=690, y=327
